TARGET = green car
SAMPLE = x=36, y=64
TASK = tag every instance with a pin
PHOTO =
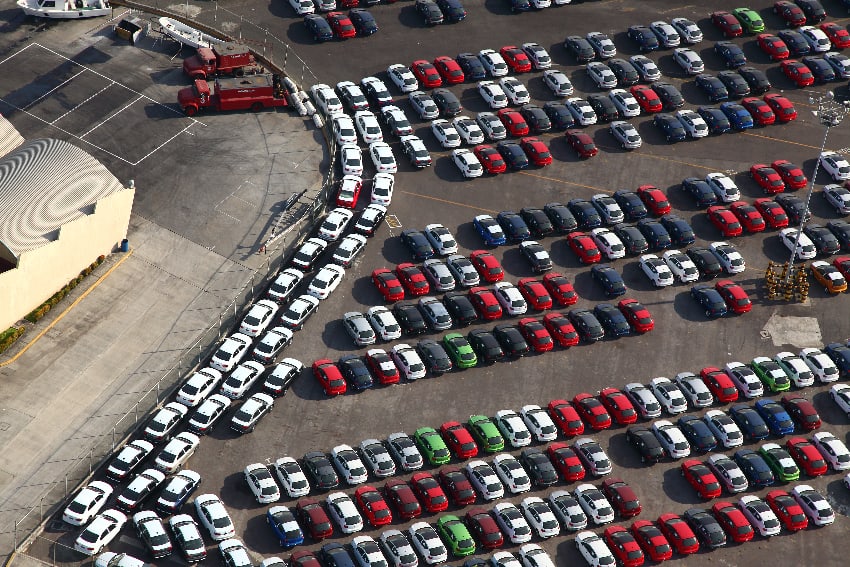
x=750, y=20
x=456, y=536
x=486, y=433
x=432, y=445
x=780, y=462
x=771, y=374
x=460, y=351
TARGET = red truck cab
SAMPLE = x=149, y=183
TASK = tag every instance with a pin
x=225, y=59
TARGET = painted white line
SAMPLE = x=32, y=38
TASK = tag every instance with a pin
x=162, y=145
x=24, y=48
x=82, y=103
x=110, y=117
x=59, y=86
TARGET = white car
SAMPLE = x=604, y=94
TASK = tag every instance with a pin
x=681, y=265
x=693, y=123
x=377, y=458
x=512, y=523
x=803, y=247
x=367, y=552
x=262, y=484
x=608, y=243
x=492, y=94
x=672, y=439
x=835, y=165
x=656, y=270
x=382, y=157
x=688, y=31
x=833, y=450
x=325, y=5
x=284, y=373
x=463, y=271
x=538, y=56
x=468, y=130
x=643, y=399
x=424, y=105
x=234, y=554
x=492, y=127
x=799, y=372
x=593, y=456
x=351, y=94
x=838, y=197
x=669, y=395
x=100, y=532
x=723, y=187
x=815, y=506
x=467, y=163
x=258, y=318
x=816, y=38
x=581, y=111
x=326, y=281
x=760, y=515
x=558, y=83
x=382, y=189
x=441, y=239
x=384, y=323
x=334, y=224
x=349, y=465
x=539, y=423
x=626, y=104
x=87, y=503
x=515, y=91
x=343, y=511
x=404, y=450
x=601, y=75
x=510, y=298
x=308, y=252
x=646, y=68
x=484, y=480
x=532, y=555
x=513, y=428
x=602, y=44
x=445, y=133
x=415, y=150
x=729, y=257
x=744, y=379
x=151, y=530
x=326, y=99
x=285, y=283
x=427, y=542
x=299, y=310
x=201, y=383
x=511, y=473
x=187, y=534
x=408, y=361
x=540, y=517
x=302, y=7
x=351, y=160
x=728, y=473
x=594, y=550
x=403, y=78
x=493, y=63
x=626, y=134
x=840, y=63
x=214, y=517
x=820, y=364
x=694, y=389
x=176, y=452
x=666, y=34
x=724, y=428
x=343, y=129
x=396, y=120
x=608, y=208
x=397, y=549
x=250, y=412
x=229, y=354
x=568, y=510
x=291, y=477
x=688, y=60
x=594, y=504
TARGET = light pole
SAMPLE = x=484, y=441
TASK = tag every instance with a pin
x=829, y=113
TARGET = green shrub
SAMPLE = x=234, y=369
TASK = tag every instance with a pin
x=40, y=311
x=9, y=336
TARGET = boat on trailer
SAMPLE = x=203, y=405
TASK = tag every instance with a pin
x=186, y=34
x=65, y=9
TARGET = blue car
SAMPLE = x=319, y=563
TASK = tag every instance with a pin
x=712, y=87
x=679, y=230
x=513, y=154
x=716, y=120
x=453, y=10
x=700, y=191
x=489, y=230
x=840, y=355
x=795, y=41
x=739, y=117
x=777, y=419
x=671, y=127
x=609, y=278
x=418, y=244
x=473, y=70
x=336, y=554
x=820, y=68
x=356, y=372
x=710, y=300
x=318, y=27
x=698, y=433
x=749, y=422
x=585, y=213
x=363, y=21
x=755, y=468
x=632, y=206
x=177, y=492
x=515, y=228
x=655, y=234
x=285, y=526
x=733, y=56
x=644, y=37
x=612, y=319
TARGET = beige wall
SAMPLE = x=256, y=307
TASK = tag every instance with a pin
x=45, y=270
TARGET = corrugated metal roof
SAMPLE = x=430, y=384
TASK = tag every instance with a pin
x=9, y=137
x=45, y=184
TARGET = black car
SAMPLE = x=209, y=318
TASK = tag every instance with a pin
x=646, y=443
x=363, y=21
x=669, y=95
x=823, y=239
x=755, y=468
x=813, y=10
x=520, y=6
x=795, y=42
x=632, y=206
x=604, y=107
x=733, y=56
x=705, y=261
x=700, y=192
x=586, y=325
x=472, y=68
x=355, y=372
x=538, y=222
x=670, y=127
x=710, y=300
x=318, y=27
x=536, y=256
x=336, y=555
x=410, y=319
x=513, y=226
x=434, y=356
x=559, y=115
x=539, y=467
x=697, y=432
x=453, y=10
x=447, y=102
x=706, y=527
x=625, y=72
x=655, y=234
x=820, y=68
x=735, y=84
x=485, y=345
x=609, y=278
x=429, y=11
x=794, y=208
x=562, y=219
x=644, y=37
x=841, y=230
x=612, y=320
x=580, y=48
x=632, y=238
x=715, y=119
x=757, y=80
x=513, y=154
x=320, y=471
x=418, y=244
x=679, y=229
x=460, y=308
x=749, y=421
x=511, y=340
x=713, y=87
x=585, y=213
x=537, y=120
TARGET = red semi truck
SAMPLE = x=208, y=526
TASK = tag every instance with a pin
x=225, y=59
x=254, y=92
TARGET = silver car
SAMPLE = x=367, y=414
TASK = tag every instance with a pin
x=358, y=328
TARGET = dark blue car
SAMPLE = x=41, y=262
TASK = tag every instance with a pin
x=679, y=230
x=473, y=70
x=318, y=27
x=820, y=68
x=712, y=87
x=559, y=115
x=285, y=526
x=733, y=56
x=177, y=492
x=755, y=468
x=735, y=84
x=700, y=192
x=562, y=219
x=716, y=120
x=585, y=213
x=655, y=233
x=513, y=155
x=363, y=21
x=356, y=372
x=840, y=355
x=671, y=127
x=698, y=434
x=739, y=117
x=795, y=41
x=418, y=244
x=453, y=10
x=609, y=278
x=644, y=37
x=489, y=230
x=336, y=555
x=515, y=228
x=612, y=320
x=749, y=422
x=630, y=202
x=710, y=300
x=775, y=416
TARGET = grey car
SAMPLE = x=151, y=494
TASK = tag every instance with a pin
x=358, y=327
x=463, y=271
x=435, y=313
x=439, y=275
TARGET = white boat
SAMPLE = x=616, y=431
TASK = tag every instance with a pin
x=186, y=34
x=65, y=9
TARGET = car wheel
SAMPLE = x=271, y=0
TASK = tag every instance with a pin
x=708, y=313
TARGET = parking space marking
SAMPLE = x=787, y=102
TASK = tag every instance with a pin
x=811, y=147
x=59, y=86
x=689, y=164
x=564, y=181
x=108, y=118
x=448, y=202
x=60, y=117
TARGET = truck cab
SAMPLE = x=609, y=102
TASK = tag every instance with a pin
x=227, y=58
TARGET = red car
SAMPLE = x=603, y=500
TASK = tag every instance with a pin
x=457, y=485
x=618, y=405
x=701, y=478
x=566, y=461
x=303, y=558
x=581, y=143
x=584, y=247
x=402, y=498
x=538, y=152
x=381, y=366
x=679, y=533
x=341, y=25
x=725, y=221
x=535, y=293
x=720, y=385
x=388, y=284
x=485, y=303
x=487, y=265
x=790, y=12
x=761, y=111
x=784, y=108
x=654, y=199
x=536, y=334
x=773, y=46
x=798, y=72
x=413, y=279
x=329, y=376
x=748, y=215
x=459, y=439
x=802, y=411
x=516, y=59
x=734, y=295
x=647, y=98
x=490, y=158
x=514, y=122
x=484, y=528
x=348, y=200
x=373, y=506
x=839, y=36
x=426, y=73
x=807, y=456
x=592, y=411
x=768, y=178
x=560, y=288
x=561, y=329
x=565, y=417
x=772, y=212
x=727, y=23
x=622, y=497
x=624, y=546
x=636, y=314
x=842, y=264
x=314, y=518
x=787, y=510
x=792, y=175
x=652, y=541
x=449, y=70
x=733, y=521
x=429, y=492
